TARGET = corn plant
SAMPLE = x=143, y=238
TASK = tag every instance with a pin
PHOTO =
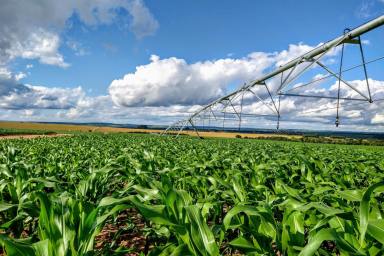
x=189, y=197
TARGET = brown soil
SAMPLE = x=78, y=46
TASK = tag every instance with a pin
x=131, y=238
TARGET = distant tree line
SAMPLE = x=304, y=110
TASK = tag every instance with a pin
x=321, y=139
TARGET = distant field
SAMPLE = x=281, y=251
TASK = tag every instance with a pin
x=28, y=128
x=65, y=128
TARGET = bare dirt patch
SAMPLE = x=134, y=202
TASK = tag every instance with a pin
x=125, y=232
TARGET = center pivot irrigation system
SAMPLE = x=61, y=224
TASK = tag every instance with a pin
x=269, y=89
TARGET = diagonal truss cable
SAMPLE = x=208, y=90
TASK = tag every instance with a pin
x=328, y=76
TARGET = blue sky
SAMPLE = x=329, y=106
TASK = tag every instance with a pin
x=85, y=49
x=196, y=31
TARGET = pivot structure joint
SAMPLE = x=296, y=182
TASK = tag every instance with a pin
x=337, y=122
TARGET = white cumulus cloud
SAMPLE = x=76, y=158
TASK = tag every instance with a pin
x=378, y=119
x=171, y=81
x=31, y=29
x=41, y=45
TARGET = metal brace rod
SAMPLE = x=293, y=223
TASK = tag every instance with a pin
x=337, y=121
x=328, y=76
x=193, y=126
x=342, y=80
x=319, y=96
x=289, y=74
x=312, y=62
x=256, y=115
x=184, y=124
x=270, y=95
x=241, y=109
x=328, y=108
x=213, y=113
x=278, y=115
x=365, y=69
x=234, y=109
x=261, y=100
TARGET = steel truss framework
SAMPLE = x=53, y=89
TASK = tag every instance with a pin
x=230, y=107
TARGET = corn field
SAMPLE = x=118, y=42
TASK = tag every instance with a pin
x=149, y=195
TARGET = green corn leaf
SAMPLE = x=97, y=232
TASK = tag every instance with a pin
x=373, y=251
x=364, y=209
x=296, y=222
x=321, y=208
x=18, y=217
x=155, y=213
x=201, y=233
x=6, y=206
x=16, y=248
x=322, y=190
x=100, y=220
x=328, y=218
x=376, y=229
x=295, y=193
x=170, y=250
x=42, y=248
x=49, y=183
x=248, y=210
x=147, y=193
x=241, y=242
x=324, y=235
x=110, y=201
x=351, y=195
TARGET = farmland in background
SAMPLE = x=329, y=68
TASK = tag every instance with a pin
x=126, y=194
x=30, y=128
x=33, y=128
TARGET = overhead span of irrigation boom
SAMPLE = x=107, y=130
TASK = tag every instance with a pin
x=269, y=89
